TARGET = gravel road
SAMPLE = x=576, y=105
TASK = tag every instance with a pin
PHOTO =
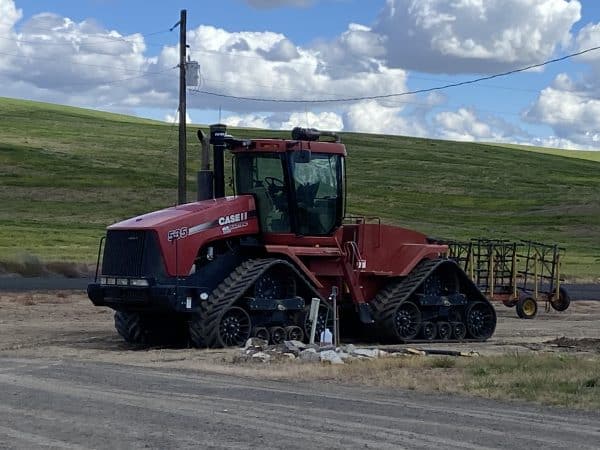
x=69, y=404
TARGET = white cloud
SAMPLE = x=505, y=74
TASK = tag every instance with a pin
x=574, y=117
x=466, y=36
x=247, y=121
x=268, y=65
x=86, y=64
x=174, y=118
x=571, y=105
x=325, y=120
x=466, y=125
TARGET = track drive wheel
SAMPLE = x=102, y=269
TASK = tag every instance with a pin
x=480, y=320
x=234, y=327
x=527, y=308
x=562, y=302
x=429, y=330
x=406, y=321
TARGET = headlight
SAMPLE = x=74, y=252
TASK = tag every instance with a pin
x=140, y=282
x=110, y=280
x=102, y=280
x=122, y=281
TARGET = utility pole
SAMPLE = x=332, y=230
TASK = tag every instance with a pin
x=181, y=191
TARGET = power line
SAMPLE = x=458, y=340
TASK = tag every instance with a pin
x=120, y=69
x=399, y=94
x=95, y=35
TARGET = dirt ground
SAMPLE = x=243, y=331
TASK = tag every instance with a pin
x=64, y=324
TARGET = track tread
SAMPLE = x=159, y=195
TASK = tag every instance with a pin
x=390, y=297
x=203, y=327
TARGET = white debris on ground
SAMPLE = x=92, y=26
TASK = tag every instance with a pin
x=259, y=350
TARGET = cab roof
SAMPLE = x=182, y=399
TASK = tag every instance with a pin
x=285, y=145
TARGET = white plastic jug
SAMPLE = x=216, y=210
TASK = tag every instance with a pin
x=326, y=337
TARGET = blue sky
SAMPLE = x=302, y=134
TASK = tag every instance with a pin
x=87, y=53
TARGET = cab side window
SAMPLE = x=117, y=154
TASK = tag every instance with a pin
x=262, y=176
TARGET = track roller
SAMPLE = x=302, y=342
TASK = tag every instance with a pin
x=278, y=335
x=459, y=330
x=294, y=333
x=429, y=330
x=444, y=331
x=261, y=333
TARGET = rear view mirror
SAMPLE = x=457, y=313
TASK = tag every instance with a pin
x=302, y=156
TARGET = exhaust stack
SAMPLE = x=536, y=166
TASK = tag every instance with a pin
x=218, y=136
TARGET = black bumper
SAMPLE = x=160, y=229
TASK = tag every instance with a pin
x=163, y=298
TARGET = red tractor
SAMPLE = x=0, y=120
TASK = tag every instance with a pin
x=221, y=270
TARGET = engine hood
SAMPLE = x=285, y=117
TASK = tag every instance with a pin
x=182, y=230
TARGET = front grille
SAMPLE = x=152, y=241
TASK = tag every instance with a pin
x=123, y=253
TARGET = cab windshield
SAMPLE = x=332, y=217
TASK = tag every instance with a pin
x=317, y=185
x=295, y=192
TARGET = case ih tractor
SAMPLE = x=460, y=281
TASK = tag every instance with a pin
x=220, y=270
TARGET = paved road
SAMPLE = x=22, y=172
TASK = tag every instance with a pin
x=577, y=291
x=74, y=404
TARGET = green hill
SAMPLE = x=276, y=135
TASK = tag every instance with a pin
x=66, y=173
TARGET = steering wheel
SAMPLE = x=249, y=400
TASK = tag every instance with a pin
x=274, y=184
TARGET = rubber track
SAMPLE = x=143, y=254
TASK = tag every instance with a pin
x=204, y=330
x=130, y=327
x=387, y=300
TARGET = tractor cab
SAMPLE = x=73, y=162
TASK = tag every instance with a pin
x=298, y=184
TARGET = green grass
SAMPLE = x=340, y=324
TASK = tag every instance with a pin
x=590, y=155
x=560, y=380
x=66, y=173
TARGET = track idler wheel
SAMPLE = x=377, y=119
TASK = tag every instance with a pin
x=234, y=328
x=407, y=321
x=459, y=330
x=261, y=333
x=527, y=308
x=429, y=330
x=444, y=331
x=562, y=302
x=294, y=333
x=480, y=320
x=278, y=335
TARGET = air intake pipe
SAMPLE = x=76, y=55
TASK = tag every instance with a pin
x=312, y=134
x=218, y=136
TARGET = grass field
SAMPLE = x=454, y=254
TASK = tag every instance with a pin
x=66, y=173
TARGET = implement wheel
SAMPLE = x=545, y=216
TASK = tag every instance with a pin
x=527, y=308
x=563, y=300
